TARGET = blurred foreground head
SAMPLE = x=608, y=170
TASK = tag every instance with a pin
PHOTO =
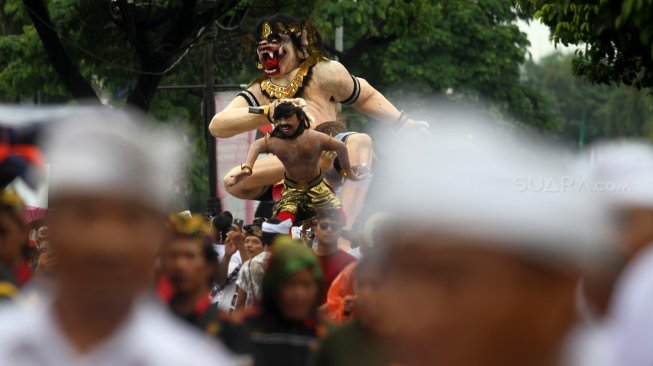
x=111, y=177
x=490, y=235
x=621, y=173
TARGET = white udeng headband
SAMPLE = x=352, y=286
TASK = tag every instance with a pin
x=280, y=228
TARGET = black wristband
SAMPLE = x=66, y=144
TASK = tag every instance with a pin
x=399, y=123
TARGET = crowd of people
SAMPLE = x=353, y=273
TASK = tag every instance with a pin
x=486, y=246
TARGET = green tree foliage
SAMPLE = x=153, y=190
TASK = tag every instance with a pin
x=472, y=49
x=601, y=111
x=617, y=34
x=123, y=42
x=25, y=71
x=95, y=40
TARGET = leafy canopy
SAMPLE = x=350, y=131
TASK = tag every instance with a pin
x=617, y=34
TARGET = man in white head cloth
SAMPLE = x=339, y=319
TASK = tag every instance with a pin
x=110, y=179
x=250, y=277
x=484, y=252
x=622, y=173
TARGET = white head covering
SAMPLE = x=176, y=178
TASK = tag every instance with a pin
x=103, y=151
x=498, y=184
x=371, y=226
x=622, y=171
x=281, y=228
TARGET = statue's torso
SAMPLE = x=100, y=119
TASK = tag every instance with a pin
x=321, y=106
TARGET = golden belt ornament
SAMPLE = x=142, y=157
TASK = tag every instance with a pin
x=303, y=185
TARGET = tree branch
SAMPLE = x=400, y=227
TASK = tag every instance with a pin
x=67, y=71
x=155, y=61
x=363, y=45
x=172, y=38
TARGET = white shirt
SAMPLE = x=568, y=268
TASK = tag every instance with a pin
x=233, y=262
x=225, y=298
x=631, y=316
x=149, y=337
x=250, y=277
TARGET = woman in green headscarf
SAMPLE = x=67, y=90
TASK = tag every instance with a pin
x=284, y=330
x=293, y=283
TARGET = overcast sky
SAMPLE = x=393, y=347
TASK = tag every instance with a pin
x=538, y=35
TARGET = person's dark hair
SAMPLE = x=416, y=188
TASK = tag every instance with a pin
x=331, y=128
x=210, y=256
x=258, y=221
x=268, y=238
x=209, y=252
x=222, y=224
x=329, y=213
x=252, y=230
x=285, y=110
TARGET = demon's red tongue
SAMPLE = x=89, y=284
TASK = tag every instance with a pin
x=271, y=63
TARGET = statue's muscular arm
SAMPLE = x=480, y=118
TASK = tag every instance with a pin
x=336, y=80
x=235, y=119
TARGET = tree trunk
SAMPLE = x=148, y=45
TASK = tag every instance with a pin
x=143, y=93
x=68, y=72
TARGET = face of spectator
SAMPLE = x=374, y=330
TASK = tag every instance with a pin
x=13, y=235
x=328, y=231
x=456, y=303
x=183, y=262
x=106, y=249
x=298, y=297
x=253, y=245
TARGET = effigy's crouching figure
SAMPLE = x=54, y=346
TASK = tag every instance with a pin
x=305, y=190
x=288, y=52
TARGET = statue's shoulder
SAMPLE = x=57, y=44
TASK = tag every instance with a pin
x=323, y=62
x=256, y=82
x=326, y=66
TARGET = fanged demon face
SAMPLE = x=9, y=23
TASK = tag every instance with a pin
x=277, y=55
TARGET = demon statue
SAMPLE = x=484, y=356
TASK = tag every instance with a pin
x=295, y=70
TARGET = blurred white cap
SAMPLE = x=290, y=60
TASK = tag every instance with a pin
x=621, y=171
x=503, y=186
x=109, y=152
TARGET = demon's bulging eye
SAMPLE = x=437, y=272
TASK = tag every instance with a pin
x=274, y=39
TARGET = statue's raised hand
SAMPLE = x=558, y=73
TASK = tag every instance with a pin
x=299, y=102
